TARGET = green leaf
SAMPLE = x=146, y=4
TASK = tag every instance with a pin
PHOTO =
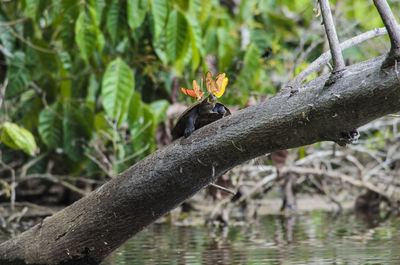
x=77, y=129
x=159, y=48
x=134, y=109
x=159, y=109
x=195, y=40
x=149, y=133
x=117, y=87
x=177, y=36
x=143, y=132
x=99, y=6
x=205, y=10
x=112, y=20
x=195, y=7
x=85, y=35
x=17, y=74
x=101, y=124
x=136, y=12
x=31, y=8
x=159, y=10
x=252, y=59
x=18, y=138
x=225, y=52
x=50, y=126
x=67, y=33
x=251, y=65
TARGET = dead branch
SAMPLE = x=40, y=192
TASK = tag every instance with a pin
x=337, y=57
x=326, y=56
x=393, y=29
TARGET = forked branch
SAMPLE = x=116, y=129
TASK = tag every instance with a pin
x=326, y=56
x=393, y=29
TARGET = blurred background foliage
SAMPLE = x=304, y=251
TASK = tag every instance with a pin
x=85, y=83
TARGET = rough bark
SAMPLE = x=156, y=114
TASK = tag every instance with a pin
x=88, y=230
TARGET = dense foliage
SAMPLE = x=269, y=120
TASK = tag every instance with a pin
x=86, y=82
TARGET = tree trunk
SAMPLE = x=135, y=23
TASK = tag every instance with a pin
x=91, y=228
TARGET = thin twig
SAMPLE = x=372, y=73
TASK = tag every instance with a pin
x=11, y=23
x=337, y=175
x=326, y=56
x=3, y=96
x=32, y=162
x=13, y=182
x=99, y=164
x=337, y=57
x=15, y=34
x=139, y=152
x=57, y=180
x=222, y=188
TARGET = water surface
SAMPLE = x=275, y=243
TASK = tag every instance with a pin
x=314, y=238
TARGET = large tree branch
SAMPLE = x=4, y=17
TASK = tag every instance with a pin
x=89, y=229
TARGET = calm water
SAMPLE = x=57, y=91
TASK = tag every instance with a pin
x=315, y=238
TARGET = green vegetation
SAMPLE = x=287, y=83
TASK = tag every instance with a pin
x=89, y=81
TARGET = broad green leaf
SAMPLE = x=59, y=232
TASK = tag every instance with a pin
x=17, y=74
x=30, y=111
x=77, y=129
x=65, y=66
x=195, y=7
x=112, y=20
x=251, y=66
x=134, y=109
x=177, y=36
x=159, y=10
x=117, y=88
x=101, y=124
x=98, y=7
x=205, y=10
x=210, y=39
x=225, y=48
x=143, y=132
x=50, y=126
x=159, y=48
x=31, y=8
x=18, y=138
x=47, y=59
x=195, y=40
x=85, y=35
x=67, y=33
x=159, y=109
x=136, y=12
x=252, y=59
x=150, y=119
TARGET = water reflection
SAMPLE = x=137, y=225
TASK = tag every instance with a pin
x=315, y=238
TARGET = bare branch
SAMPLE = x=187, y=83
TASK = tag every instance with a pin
x=222, y=188
x=338, y=62
x=57, y=180
x=392, y=27
x=3, y=95
x=11, y=23
x=337, y=175
x=6, y=52
x=325, y=57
